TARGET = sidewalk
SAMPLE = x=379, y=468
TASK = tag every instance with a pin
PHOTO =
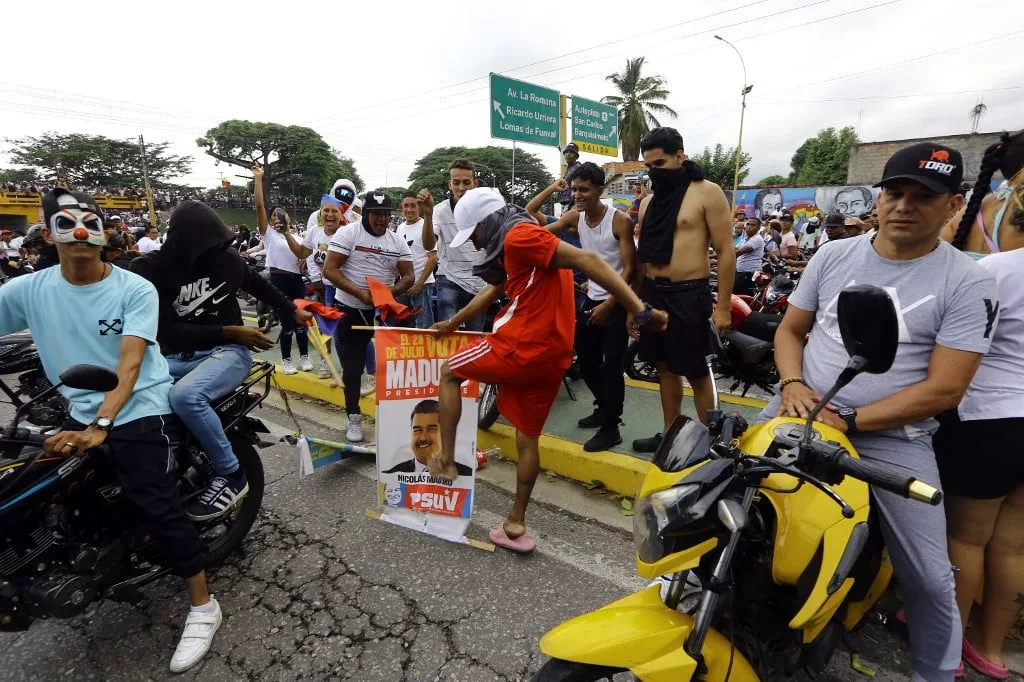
x=561, y=446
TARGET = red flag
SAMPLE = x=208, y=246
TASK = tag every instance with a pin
x=385, y=302
x=326, y=318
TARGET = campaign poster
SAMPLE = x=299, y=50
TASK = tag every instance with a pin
x=409, y=434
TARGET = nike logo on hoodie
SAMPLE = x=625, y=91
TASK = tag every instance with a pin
x=193, y=295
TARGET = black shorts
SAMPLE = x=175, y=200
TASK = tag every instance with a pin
x=685, y=345
x=980, y=459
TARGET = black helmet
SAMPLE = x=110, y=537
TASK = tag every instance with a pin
x=34, y=236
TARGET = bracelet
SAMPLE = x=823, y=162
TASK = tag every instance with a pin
x=793, y=380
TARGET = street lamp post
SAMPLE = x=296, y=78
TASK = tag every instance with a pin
x=743, y=110
x=386, y=170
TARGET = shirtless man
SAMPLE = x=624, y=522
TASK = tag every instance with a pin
x=676, y=225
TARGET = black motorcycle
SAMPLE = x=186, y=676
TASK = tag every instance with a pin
x=69, y=532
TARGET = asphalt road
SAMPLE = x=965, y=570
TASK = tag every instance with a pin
x=321, y=591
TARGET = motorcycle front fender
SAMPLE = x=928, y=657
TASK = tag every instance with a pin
x=641, y=634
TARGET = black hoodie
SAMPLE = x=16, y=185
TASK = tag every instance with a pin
x=198, y=278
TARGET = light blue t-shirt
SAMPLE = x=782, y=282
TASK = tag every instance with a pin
x=84, y=325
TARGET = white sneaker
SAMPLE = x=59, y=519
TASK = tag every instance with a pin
x=354, y=432
x=323, y=372
x=304, y=364
x=368, y=384
x=196, y=638
x=288, y=368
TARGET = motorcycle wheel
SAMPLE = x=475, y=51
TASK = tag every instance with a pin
x=557, y=670
x=487, y=410
x=637, y=369
x=224, y=535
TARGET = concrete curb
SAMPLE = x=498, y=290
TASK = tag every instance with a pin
x=619, y=473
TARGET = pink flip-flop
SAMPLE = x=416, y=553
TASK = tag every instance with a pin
x=521, y=545
x=983, y=665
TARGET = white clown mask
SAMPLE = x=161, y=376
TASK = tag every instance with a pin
x=76, y=221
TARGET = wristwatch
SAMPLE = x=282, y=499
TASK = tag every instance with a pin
x=103, y=423
x=848, y=415
x=643, y=317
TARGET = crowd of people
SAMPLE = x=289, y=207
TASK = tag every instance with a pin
x=584, y=282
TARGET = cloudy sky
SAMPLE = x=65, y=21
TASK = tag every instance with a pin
x=388, y=83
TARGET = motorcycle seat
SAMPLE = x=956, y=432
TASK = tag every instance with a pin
x=751, y=350
x=761, y=326
x=16, y=337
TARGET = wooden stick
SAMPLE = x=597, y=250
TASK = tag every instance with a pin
x=314, y=332
x=367, y=328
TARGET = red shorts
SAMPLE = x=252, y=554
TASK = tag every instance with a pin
x=526, y=394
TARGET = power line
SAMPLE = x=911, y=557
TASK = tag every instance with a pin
x=105, y=101
x=524, y=66
x=919, y=94
x=360, y=120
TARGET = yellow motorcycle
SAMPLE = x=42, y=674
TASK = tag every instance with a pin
x=776, y=522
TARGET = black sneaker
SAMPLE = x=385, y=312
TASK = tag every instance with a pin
x=606, y=438
x=592, y=421
x=220, y=496
x=647, y=445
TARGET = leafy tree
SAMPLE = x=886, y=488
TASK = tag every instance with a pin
x=719, y=166
x=79, y=159
x=18, y=175
x=638, y=97
x=295, y=159
x=823, y=159
x=772, y=181
x=493, y=169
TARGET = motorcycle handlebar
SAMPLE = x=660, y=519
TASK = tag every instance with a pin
x=888, y=479
x=24, y=436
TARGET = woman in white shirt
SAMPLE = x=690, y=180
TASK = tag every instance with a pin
x=285, y=274
x=980, y=446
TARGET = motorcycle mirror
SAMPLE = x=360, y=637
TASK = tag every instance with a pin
x=732, y=515
x=869, y=326
x=89, y=378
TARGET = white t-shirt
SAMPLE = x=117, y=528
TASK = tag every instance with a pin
x=10, y=249
x=412, y=235
x=146, y=245
x=317, y=241
x=456, y=265
x=17, y=242
x=279, y=256
x=751, y=262
x=997, y=391
x=368, y=256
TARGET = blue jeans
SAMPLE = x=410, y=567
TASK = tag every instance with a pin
x=425, y=301
x=200, y=379
x=452, y=298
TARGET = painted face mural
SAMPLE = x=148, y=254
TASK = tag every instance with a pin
x=73, y=217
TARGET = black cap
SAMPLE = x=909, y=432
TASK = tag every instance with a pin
x=786, y=215
x=51, y=206
x=937, y=167
x=835, y=220
x=571, y=147
x=377, y=201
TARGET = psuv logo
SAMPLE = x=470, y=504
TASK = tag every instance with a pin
x=938, y=162
x=111, y=327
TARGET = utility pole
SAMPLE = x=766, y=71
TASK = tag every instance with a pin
x=743, y=111
x=145, y=179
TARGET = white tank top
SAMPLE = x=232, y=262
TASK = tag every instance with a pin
x=601, y=240
x=279, y=256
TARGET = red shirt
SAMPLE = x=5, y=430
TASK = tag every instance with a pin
x=538, y=324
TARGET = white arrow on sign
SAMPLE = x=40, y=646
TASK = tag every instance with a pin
x=611, y=133
x=497, y=107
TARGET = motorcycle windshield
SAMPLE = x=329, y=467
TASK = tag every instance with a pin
x=686, y=443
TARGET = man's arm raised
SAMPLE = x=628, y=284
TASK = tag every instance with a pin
x=425, y=202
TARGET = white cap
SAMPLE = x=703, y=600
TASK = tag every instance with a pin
x=813, y=220
x=474, y=206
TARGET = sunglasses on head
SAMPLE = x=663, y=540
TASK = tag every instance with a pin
x=345, y=195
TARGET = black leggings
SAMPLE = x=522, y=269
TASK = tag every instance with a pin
x=292, y=287
x=353, y=344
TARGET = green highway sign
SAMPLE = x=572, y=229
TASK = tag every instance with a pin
x=523, y=112
x=595, y=127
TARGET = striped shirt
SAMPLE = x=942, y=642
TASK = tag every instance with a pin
x=368, y=256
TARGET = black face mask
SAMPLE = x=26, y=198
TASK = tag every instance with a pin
x=667, y=179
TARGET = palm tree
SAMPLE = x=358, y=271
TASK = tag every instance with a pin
x=638, y=97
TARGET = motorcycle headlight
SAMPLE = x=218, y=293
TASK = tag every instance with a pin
x=653, y=513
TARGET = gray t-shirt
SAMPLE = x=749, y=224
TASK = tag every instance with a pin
x=751, y=262
x=942, y=298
